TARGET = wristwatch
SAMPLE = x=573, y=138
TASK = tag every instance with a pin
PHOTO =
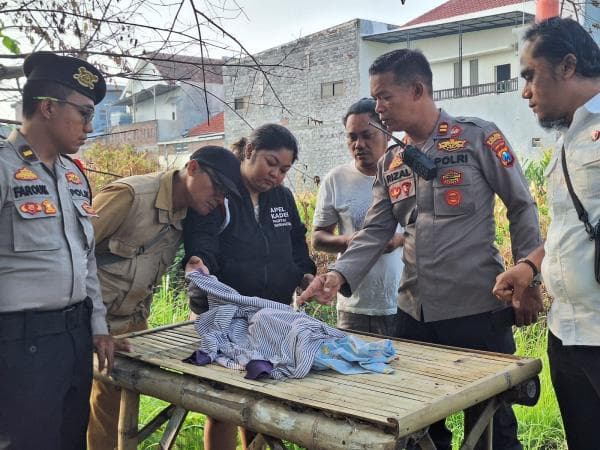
x=537, y=276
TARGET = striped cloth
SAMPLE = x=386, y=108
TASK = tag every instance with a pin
x=238, y=329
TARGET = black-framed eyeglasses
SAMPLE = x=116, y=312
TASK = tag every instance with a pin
x=86, y=111
x=217, y=184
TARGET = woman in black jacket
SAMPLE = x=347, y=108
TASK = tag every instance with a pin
x=262, y=250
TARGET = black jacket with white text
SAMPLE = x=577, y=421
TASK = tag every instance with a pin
x=267, y=258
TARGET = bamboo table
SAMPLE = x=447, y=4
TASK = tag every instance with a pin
x=325, y=410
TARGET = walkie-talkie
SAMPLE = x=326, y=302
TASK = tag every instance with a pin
x=412, y=156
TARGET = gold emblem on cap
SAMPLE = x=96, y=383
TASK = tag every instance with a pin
x=85, y=78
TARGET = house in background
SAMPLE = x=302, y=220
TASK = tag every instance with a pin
x=108, y=113
x=177, y=152
x=165, y=98
x=473, y=50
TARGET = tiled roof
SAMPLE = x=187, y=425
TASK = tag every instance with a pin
x=174, y=68
x=216, y=125
x=453, y=8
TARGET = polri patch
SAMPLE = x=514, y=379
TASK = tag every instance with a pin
x=397, y=161
x=72, y=178
x=453, y=197
x=25, y=174
x=506, y=157
x=595, y=135
x=31, y=208
x=443, y=128
x=451, y=178
x=89, y=209
x=451, y=145
x=48, y=207
x=493, y=139
x=455, y=131
x=401, y=190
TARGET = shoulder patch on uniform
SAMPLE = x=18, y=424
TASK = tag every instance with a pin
x=497, y=144
x=27, y=153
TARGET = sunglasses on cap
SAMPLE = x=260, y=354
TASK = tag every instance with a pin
x=86, y=111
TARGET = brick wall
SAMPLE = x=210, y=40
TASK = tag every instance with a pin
x=327, y=56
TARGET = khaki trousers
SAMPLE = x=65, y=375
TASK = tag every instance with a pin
x=105, y=402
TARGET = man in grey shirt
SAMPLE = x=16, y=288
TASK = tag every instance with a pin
x=449, y=254
x=344, y=198
x=51, y=310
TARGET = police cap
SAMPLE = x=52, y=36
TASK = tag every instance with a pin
x=73, y=73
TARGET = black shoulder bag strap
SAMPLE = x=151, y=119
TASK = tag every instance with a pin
x=593, y=232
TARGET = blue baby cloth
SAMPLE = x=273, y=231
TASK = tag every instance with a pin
x=351, y=355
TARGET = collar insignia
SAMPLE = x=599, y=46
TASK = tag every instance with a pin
x=27, y=153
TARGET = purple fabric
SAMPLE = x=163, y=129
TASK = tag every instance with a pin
x=199, y=358
x=258, y=368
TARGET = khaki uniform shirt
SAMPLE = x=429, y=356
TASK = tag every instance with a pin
x=138, y=234
x=450, y=259
x=46, y=238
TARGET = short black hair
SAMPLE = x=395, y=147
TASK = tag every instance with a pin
x=270, y=136
x=34, y=89
x=407, y=65
x=556, y=37
x=363, y=106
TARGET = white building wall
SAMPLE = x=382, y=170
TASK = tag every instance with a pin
x=511, y=114
x=163, y=109
x=490, y=47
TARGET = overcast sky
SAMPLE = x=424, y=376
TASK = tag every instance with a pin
x=270, y=23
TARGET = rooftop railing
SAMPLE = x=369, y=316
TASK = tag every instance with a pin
x=498, y=87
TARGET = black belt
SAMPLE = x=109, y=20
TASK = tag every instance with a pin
x=32, y=323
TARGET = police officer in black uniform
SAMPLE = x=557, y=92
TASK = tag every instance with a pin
x=51, y=311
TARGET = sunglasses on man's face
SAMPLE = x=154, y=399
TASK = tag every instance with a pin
x=86, y=111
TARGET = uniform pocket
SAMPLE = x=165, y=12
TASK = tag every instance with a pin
x=84, y=212
x=35, y=224
x=453, y=192
x=590, y=166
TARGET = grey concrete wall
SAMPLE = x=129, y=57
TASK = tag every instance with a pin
x=327, y=56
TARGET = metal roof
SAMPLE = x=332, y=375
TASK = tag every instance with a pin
x=507, y=19
x=145, y=94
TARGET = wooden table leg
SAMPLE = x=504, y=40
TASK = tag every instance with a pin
x=173, y=427
x=128, y=420
x=484, y=423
